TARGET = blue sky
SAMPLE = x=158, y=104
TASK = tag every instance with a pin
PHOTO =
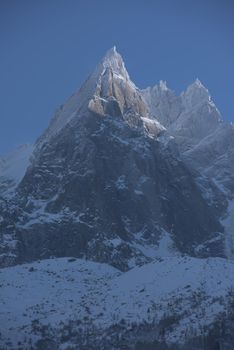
x=48, y=48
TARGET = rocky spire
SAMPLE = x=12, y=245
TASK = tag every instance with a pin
x=114, y=61
x=195, y=94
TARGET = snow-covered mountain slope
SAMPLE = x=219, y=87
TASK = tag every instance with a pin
x=213, y=156
x=58, y=301
x=13, y=167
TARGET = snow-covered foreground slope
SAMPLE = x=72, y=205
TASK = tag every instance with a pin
x=49, y=291
x=186, y=293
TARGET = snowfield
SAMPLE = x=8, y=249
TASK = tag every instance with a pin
x=54, y=291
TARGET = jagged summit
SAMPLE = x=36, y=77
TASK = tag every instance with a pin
x=112, y=55
x=114, y=93
x=113, y=61
x=108, y=92
x=196, y=94
x=112, y=51
x=198, y=83
x=109, y=82
x=163, y=85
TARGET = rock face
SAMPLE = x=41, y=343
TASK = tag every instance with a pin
x=102, y=183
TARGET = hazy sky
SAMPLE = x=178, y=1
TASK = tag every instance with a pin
x=48, y=47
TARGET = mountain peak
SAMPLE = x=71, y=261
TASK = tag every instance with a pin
x=195, y=94
x=114, y=61
x=111, y=52
x=198, y=83
x=109, y=74
x=163, y=85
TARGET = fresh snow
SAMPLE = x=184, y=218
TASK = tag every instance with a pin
x=164, y=248
x=60, y=289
